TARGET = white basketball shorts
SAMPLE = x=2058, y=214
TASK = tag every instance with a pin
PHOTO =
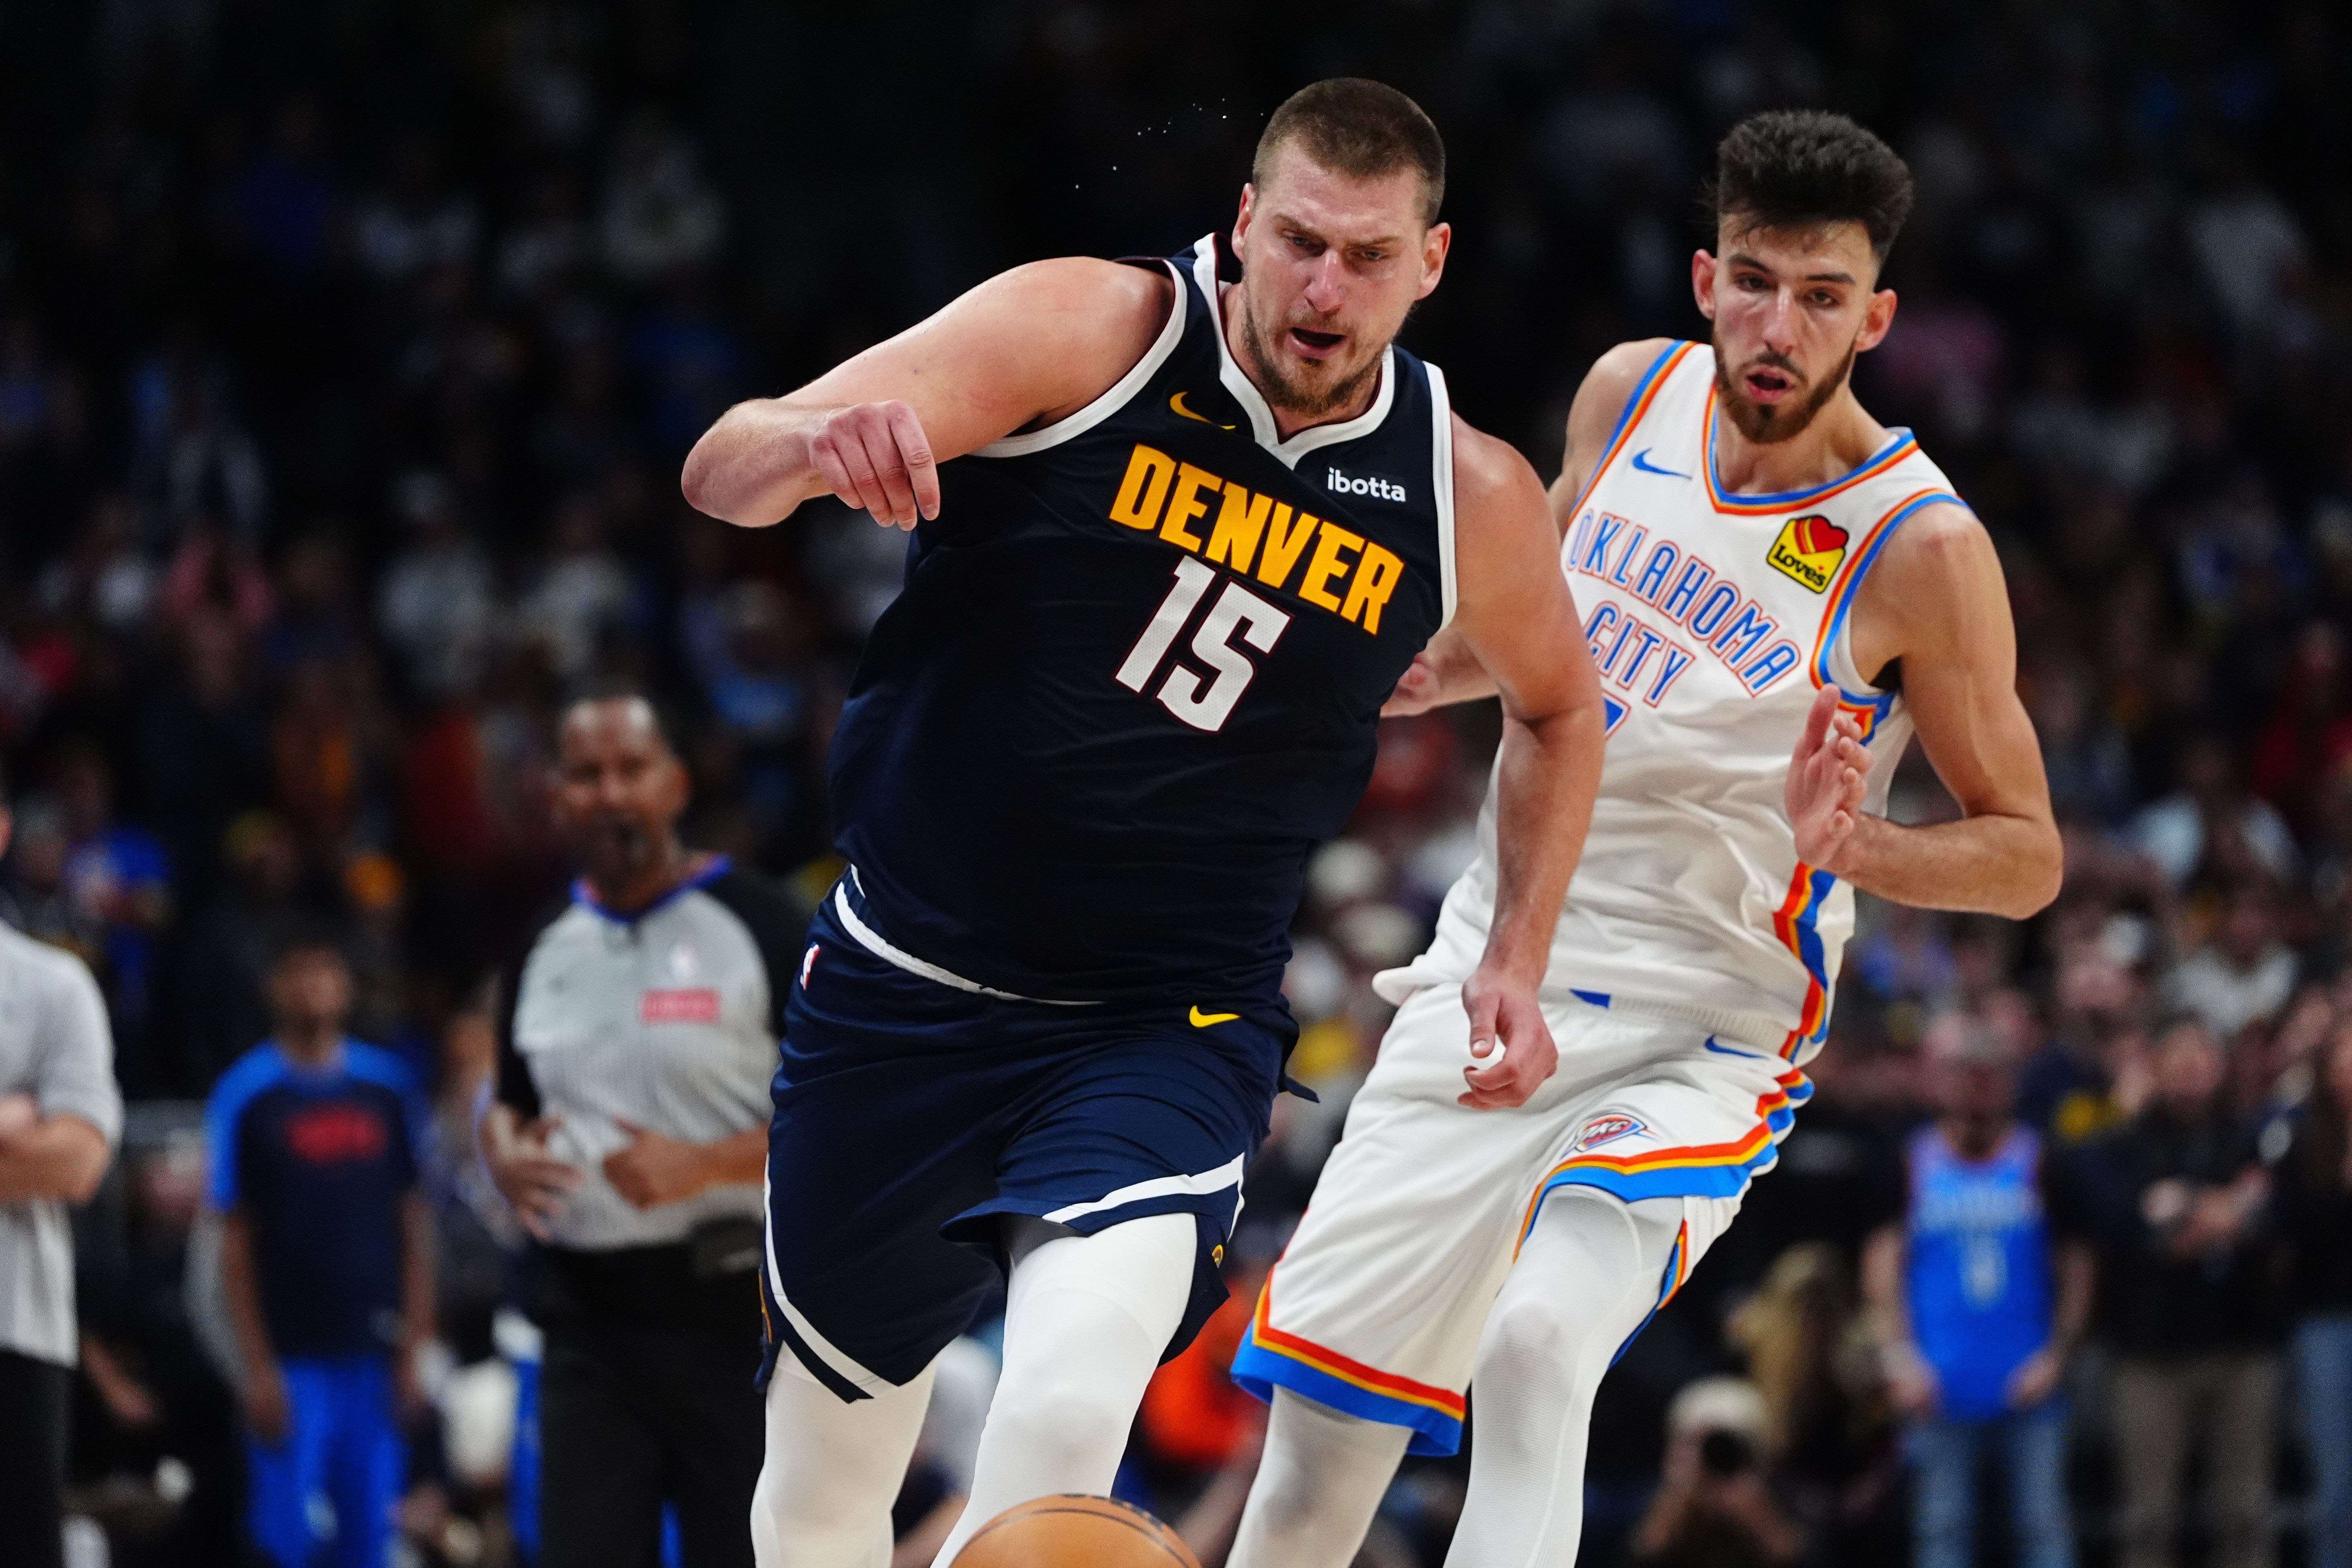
x=1376, y=1307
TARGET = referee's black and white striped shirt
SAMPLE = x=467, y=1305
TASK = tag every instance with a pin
x=668, y=1019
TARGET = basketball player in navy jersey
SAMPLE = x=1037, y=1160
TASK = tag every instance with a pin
x=1175, y=541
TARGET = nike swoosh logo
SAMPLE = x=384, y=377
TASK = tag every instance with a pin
x=1176, y=402
x=1640, y=461
x=1202, y=1020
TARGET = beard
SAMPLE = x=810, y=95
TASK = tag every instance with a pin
x=1768, y=423
x=1287, y=392
x=616, y=849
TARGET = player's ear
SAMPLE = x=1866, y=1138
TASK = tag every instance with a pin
x=1241, y=219
x=1877, y=323
x=1703, y=283
x=1435, y=245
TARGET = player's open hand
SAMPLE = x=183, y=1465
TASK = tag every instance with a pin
x=1507, y=1026
x=1825, y=784
x=876, y=458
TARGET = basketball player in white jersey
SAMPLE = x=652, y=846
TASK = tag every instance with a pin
x=1776, y=592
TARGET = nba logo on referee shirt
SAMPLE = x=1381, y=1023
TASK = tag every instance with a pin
x=1606, y=1127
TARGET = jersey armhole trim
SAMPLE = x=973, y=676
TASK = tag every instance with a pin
x=1637, y=407
x=1120, y=393
x=1830, y=652
x=1440, y=444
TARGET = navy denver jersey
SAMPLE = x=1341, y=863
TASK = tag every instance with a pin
x=1135, y=672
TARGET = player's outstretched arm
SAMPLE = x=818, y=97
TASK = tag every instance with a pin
x=1446, y=671
x=1024, y=349
x=1516, y=620
x=1935, y=602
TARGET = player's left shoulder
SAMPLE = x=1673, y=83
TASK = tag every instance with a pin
x=1941, y=547
x=1936, y=592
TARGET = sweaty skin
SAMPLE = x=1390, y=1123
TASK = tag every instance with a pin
x=1791, y=310
x=1331, y=266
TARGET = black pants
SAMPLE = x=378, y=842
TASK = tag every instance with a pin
x=33, y=1398
x=631, y=1417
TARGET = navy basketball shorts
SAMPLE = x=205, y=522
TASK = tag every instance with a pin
x=911, y=1116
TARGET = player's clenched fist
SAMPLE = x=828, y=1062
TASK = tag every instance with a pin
x=1508, y=1034
x=875, y=458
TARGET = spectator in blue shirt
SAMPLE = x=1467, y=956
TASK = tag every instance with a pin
x=327, y=1264
x=1979, y=1293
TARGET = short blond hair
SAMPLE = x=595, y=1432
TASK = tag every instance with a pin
x=1358, y=127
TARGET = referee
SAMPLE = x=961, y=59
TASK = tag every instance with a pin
x=630, y=1134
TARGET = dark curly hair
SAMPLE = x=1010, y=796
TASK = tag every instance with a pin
x=1795, y=168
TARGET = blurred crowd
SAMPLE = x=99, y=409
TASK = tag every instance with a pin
x=347, y=352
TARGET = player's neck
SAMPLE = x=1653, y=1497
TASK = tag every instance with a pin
x=1840, y=439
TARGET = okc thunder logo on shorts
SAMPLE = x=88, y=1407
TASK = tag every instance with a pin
x=1606, y=1127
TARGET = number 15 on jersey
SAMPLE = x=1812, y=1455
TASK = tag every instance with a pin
x=1205, y=703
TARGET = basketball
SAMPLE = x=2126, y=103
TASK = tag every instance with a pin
x=1075, y=1531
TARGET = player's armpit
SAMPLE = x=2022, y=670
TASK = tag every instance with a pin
x=1515, y=615
x=1024, y=349
x=1444, y=673
x=1936, y=606
x=1600, y=402
x=1516, y=619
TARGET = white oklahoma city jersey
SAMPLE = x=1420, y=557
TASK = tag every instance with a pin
x=1714, y=620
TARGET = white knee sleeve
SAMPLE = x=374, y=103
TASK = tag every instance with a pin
x=1586, y=1280
x=833, y=1469
x=1317, y=1488
x=1086, y=1319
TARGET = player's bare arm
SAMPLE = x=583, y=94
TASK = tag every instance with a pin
x=1516, y=621
x=1026, y=347
x=1934, y=608
x=1446, y=672
x=1600, y=402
